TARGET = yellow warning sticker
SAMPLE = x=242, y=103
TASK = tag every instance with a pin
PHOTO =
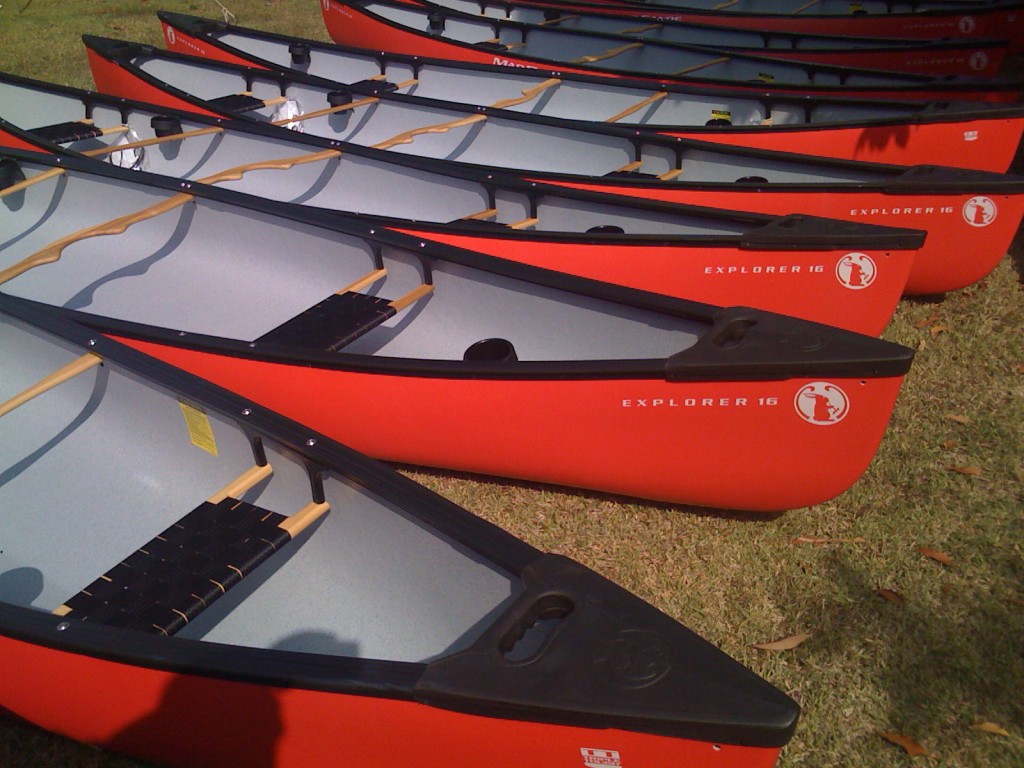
x=199, y=429
x=721, y=114
x=765, y=77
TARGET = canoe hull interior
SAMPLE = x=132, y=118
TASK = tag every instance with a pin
x=654, y=439
x=938, y=267
x=902, y=135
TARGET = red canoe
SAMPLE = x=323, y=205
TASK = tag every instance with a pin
x=976, y=135
x=319, y=608
x=392, y=25
x=953, y=205
x=430, y=355
x=977, y=57
x=944, y=19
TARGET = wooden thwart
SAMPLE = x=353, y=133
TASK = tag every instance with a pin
x=639, y=30
x=559, y=20
x=66, y=373
x=19, y=186
x=274, y=164
x=704, y=65
x=150, y=142
x=330, y=110
x=653, y=98
x=528, y=94
x=55, y=250
x=407, y=137
x=609, y=54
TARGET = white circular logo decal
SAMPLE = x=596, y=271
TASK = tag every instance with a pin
x=856, y=271
x=978, y=61
x=967, y=24
x=822, y=403
x=170, y=35
x=980, y=211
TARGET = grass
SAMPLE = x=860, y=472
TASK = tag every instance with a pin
x=946, y=658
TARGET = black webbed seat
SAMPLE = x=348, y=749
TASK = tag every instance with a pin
x=69, y=132
x=333, y=323
x=238, y=102
x=172, y=578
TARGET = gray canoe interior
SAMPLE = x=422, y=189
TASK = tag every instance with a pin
x=495, y=142
x=93, y=469
x=210, y=268
x=568, y=99
x=344, y=182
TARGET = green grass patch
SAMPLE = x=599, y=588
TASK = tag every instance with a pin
x=936, y=654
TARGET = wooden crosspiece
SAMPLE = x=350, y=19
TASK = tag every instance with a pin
x=609, y=54
x=66, y=373
x=652, y=99
x=528, y=94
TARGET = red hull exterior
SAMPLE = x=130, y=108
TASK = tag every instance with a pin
x=151, y=714
x=812, y=285
x=984, y=23
x=978, y=63
x=350, y=26
x=112, y=79
x=956, y=253
x=738, y=445
x=981, y=62
x=984, y=145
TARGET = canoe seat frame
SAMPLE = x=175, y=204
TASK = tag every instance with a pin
x=179, y=573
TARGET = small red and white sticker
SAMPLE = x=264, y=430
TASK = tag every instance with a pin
x=856, y=271
x=980, y=211
x=967, y=24
x=600, y=758
x=170, y=35
x=822, y=403
x=978, y=61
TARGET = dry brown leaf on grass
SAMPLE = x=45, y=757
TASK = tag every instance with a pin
x=990, y=728
x=935, y=330
x=911, y=746
x=967, y=470
x=819, y=541
x=939, y=557
x=785, y=644
x=926, y=322
x=958, y=418
x=891, y=595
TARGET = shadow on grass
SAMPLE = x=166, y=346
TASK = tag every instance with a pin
x=595, y=496
x=948, y=657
